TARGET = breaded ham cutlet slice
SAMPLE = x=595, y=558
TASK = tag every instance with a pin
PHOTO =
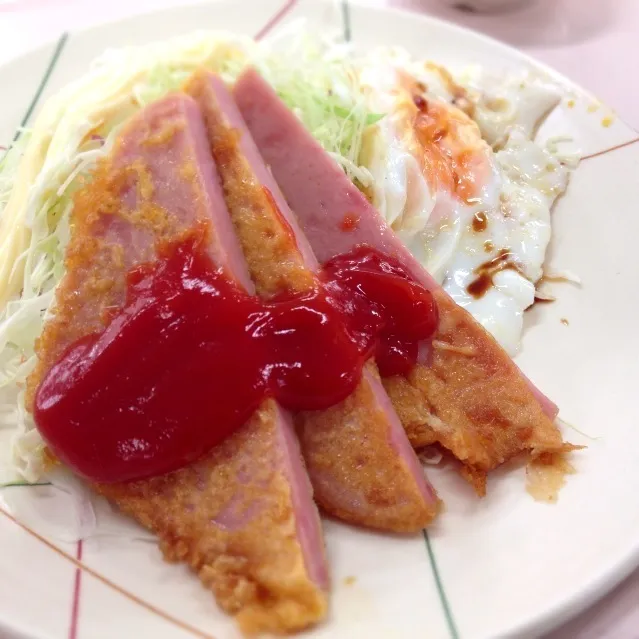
x=360, y=461
x=467, y=394
x=242, y=516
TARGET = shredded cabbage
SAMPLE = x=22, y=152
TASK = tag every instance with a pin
x=40, y=173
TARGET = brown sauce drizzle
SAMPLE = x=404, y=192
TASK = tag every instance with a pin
x=485, y=272
x=420, y=102
x=489, y=247
x=480, y=222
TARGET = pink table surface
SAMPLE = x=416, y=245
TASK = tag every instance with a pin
x=594, y=42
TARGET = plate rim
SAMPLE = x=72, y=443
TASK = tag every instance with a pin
x=627, y=562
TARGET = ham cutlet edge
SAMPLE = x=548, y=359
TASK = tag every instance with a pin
x=356, y=452
x=262, y=575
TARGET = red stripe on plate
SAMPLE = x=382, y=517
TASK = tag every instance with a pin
x=623, y=145
x=77, y=586
x=275, y=20
x=107, y=582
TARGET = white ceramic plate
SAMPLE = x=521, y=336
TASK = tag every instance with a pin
x=502, y=566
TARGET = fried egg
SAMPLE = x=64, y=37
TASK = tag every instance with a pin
x=457, y=174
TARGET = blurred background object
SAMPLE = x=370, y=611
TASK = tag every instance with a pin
x=484, y=5
x=530, y=23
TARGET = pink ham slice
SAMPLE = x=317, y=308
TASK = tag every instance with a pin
x=242, y=516
x=360, y=461
x=471, y=398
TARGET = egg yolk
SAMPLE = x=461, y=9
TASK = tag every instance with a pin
x=444, y=140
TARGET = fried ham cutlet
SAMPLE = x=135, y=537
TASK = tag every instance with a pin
x=466, y=393
x=242, y=516
x=358, y=457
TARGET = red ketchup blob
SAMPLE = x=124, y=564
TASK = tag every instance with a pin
x=191, y=356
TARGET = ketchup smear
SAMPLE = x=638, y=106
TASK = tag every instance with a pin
x=191, y=356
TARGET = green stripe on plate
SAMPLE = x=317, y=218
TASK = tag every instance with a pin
x=43, y=83
x=19, y=484
x=450, y=621
x=346, y=20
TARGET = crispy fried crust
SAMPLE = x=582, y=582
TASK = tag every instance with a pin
x=353, y=468
x=195, y=511
x=268, y=242
x=357, y=476
x=475, y=401
x=256, y=571
x=413, y=411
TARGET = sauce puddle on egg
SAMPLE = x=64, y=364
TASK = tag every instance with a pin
x=486, y=272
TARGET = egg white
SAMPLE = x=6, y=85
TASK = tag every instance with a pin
x=516, y=194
